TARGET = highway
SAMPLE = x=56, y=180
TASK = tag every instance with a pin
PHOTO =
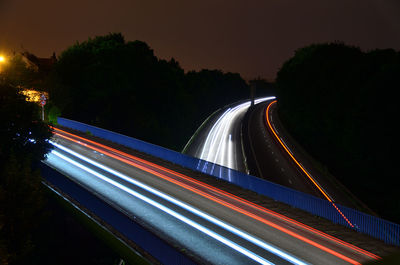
x=266, y=157
x=240, y=137
x=219, y=139
x=271, y=156
x=212, y=224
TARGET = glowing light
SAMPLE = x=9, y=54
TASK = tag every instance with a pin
x=3, y=61
x=133, y=161
x=301, y=167
x=33, y=95
x=217, y=148
x=169, y=211
x=187, y=207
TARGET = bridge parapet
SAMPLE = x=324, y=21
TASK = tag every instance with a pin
x=376, y=227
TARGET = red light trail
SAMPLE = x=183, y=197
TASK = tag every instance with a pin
x=229, y=200
x=300, y=166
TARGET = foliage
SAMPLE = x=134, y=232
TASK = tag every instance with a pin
x=340, y=103
x=53, y=112
x=212, y=89
x=21, y=130
x=23, y=143
x=123, y=86
x=17, y=74
x=21, y=203
x=263, y=87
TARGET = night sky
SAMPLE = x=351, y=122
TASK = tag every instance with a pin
x=252, y=37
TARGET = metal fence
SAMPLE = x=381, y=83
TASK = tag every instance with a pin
x=148, y=241
x=376, y=227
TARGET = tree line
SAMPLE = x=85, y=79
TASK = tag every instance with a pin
x=23, y=143
x=105, y=81
x=122, y=86
x=340, y=103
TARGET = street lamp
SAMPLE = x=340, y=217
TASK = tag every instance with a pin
x=2, y=61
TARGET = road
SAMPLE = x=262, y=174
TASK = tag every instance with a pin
x=213, y=224
x=238, y=137
x=266, y=159
x=281, y=162
x=219, y=139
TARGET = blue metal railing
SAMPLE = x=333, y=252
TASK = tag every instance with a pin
x=376, y=227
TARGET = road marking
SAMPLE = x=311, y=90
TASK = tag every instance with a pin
x=127, y=158
x=300, y=166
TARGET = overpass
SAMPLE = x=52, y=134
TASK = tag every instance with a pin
x=209, y=224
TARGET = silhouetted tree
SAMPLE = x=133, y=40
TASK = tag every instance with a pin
x=340, y=103
x=213, y=89
x=263, y=87
x=124, y=87
x=23, y=143
x=21, y=130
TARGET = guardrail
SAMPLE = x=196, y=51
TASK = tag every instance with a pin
x=148, y=241
x=376, y=227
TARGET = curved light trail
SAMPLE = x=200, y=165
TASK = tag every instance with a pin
x=224, y=198
x=218, y=146
x=176, y=202
x=175, y=214
x=319, y=187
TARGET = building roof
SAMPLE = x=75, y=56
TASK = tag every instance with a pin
x=40, y=64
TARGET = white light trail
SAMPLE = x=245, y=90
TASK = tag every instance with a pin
x=187, y=207
x=184, y=219
x=218, y=147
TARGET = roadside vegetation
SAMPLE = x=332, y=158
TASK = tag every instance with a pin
x=33, y=227
x=23, y=143
x=122, y=86
x=108, y=82
x=340, y=103
x=337, y=101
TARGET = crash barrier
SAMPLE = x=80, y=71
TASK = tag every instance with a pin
x=376, y=227
x=148, y=241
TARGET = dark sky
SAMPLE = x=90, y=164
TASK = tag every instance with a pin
x=252, y=37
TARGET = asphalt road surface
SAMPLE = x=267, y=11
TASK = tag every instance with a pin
x=211, y=224
x=267, y=159
x=219, y=139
